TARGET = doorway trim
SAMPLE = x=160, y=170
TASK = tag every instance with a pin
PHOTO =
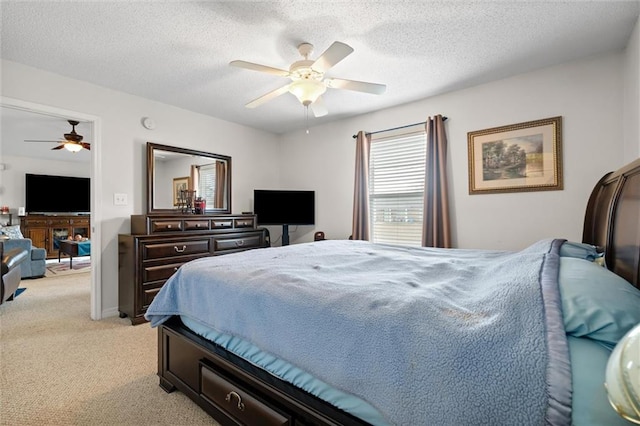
x=96, y=185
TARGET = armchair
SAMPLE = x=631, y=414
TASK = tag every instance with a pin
x=10, y=271
x=35, y=265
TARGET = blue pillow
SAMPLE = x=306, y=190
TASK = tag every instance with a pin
x=596, y=303
x=580, y=251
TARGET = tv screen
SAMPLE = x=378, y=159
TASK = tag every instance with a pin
x=281, y=207
x=57, y=194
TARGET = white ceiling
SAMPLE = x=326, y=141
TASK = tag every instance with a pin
x=16, y=126
x=178, y=52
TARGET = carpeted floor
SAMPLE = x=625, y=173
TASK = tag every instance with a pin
x=58, y=367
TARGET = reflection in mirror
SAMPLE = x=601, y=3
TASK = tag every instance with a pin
x=173, y=171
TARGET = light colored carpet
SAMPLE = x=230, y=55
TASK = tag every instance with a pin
x=80, y=265
x=59, y=367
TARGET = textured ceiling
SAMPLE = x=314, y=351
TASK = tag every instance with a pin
x=178, y=52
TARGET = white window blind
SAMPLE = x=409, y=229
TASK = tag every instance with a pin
x=396, y=188
x=207, y=184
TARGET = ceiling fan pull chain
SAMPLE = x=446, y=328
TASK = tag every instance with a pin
x=306, y=116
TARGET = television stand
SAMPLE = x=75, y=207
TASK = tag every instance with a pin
x=47, y=231
x=285, y=235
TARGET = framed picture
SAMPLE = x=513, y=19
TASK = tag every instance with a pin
x=179, y=184
x=520, y=157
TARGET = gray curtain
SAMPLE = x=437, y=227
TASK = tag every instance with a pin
x=221, y=179
x=360, y=227
x=436, y=230
x=194, y=184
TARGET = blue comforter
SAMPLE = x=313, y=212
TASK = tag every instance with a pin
x=427, y=336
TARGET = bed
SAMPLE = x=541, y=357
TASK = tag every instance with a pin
x=307, y=334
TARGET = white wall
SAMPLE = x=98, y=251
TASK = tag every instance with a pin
x=588, y=95
x=632, y=95
x=123, y=142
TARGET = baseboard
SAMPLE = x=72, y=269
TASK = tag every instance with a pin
x=111, y=312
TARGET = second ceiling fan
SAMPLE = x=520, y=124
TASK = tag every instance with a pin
x=72, y=141
x=307, y=78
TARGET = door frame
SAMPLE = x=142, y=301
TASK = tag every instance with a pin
x=96, y=185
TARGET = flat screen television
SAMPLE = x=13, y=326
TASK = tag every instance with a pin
x=284, y=207
x=49, y=194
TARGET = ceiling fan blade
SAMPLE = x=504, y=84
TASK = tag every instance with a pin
x=265, y=98
x=319, y=108
x=358, y=86
x=261, y=68
x=86, y=146
x=334, y=54
x=57, y=147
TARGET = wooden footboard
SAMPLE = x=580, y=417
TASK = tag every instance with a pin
x=232, y=390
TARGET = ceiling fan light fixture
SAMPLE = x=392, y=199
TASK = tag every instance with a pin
x=307, y=91
x=73, y=147
x=307, y=77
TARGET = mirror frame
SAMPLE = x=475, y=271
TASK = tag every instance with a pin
x=151, y=149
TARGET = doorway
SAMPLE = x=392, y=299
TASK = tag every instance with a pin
x=93, y=134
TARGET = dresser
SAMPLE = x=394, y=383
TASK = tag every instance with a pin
x=159, y=244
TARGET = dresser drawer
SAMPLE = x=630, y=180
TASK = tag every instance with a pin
x=160, y=272
x=166, y=225
x=221, y=224
x=237, y=402
x=191, y=225
x=81, y=221
x=244, y=223
x=59, y=222
x=36, y=222
x=148, y=293
x=175, y=248
x=237, y=243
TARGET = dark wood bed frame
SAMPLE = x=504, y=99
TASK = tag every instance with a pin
x=233, y=391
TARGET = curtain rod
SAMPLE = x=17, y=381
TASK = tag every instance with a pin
x=397, y=128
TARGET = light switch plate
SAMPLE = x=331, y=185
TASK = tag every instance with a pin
x=120, y=199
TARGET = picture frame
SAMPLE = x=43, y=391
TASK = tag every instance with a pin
x=515, y=158
x=179, y=183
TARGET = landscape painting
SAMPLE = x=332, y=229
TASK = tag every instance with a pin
x=512, y=158
x=519, y=157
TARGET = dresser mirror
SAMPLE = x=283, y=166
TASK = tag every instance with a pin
x=171, y=170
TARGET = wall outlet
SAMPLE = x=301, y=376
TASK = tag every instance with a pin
x=120, y=199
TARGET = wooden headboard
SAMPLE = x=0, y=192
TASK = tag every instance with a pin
x=612, y=221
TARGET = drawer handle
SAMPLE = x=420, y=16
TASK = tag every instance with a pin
x=179, y=250
x=240, y=243
x=169, y=226
x=175, y=269
x=197, y=225
x=240, y=403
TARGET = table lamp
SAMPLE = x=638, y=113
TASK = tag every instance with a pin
x=623, y=376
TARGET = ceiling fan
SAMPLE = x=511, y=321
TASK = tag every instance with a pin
x=72, y=141
x=308, y=81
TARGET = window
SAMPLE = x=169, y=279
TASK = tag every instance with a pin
x=207, y=184
x=396, y=188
